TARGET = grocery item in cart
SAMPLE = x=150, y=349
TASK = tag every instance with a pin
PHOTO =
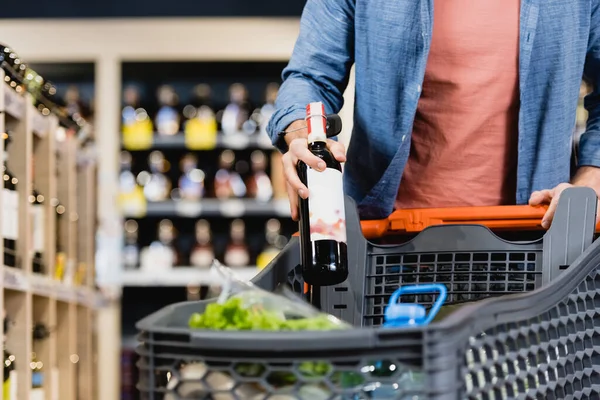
x=243, y=306
x=323, y=242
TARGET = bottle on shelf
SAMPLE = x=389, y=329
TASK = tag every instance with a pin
x=156, y=185
x=237, y=112
x=76, y=108
x=9, y=386
x=40, y=333
x=38, y=216
x=322, y=224
x=60, y=264
x=162, y=253
x=201, y=122
x=228, y=183
x=127, y=183
x=201, y=97
x=131, y=251
x=203, y=254
x=167, y=118
x=267, y=110
x=14, y=69
x=10, y=209
x=274, y=243
x=191, y=183
x=135, y=119
x=237, y=254
x=259, y=184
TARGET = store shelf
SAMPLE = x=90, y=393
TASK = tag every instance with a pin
x=179, y=276
x=234, y=208
x=63, y=297
x=43, y=286
x=233, y=141
x=14, y=106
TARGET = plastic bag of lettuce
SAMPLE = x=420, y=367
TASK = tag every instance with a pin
x=244, y=306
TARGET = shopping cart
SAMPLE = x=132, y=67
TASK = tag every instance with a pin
x=541, y=344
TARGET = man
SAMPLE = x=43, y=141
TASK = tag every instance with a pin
x=473, y=104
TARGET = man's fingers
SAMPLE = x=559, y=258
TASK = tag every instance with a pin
x=293, y=197
x=540, y=197
x=300, y=150
x=291, y=176
x=555, y=194
x=337, y=149
x=547, y=219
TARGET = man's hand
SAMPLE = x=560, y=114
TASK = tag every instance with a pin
x=298, y=151
x=586, y=176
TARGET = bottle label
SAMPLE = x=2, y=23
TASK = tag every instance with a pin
x=12, y=390
x=10, y=220
x=38, y=228
x=326, y=205
x=237, y=257
x=202, y=258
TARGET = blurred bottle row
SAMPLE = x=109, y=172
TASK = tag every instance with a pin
x=169, y=248
x=200, y=114
x=232, y=178
x=72, y=112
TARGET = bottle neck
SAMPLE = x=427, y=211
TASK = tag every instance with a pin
x=316, y=123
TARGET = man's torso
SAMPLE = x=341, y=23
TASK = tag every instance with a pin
x=464, y=137
x=392, y=44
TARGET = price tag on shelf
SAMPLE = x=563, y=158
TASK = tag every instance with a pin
x=187, y=208
x=232, y=208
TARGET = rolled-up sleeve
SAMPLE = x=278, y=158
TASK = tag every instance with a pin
x=320, y=64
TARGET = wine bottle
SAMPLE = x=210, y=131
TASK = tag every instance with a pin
x=191, y=183
x=322, y=224
x=274, y=243
x=134, y=118
x=38, y=215
x=40, y=332
x=236, y=253
x=202, y=254
x=259, y=184
x=131, y=252
x=167, y=118
x=9, y=386
x=162, y=252
x=237, y=112
x=158, y=186
x=201, y=97
x=61, y=257
x=268, y=108
x=10, y=210
x=14, y=68
x=228, y=183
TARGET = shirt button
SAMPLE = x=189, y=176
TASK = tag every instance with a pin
x=418, y=88
x=403, y=137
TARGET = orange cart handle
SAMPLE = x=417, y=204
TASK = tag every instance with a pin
x=495, y=217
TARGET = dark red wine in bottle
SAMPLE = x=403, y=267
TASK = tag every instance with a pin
x=323, y=247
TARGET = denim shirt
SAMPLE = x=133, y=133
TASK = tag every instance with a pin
x=388, y=43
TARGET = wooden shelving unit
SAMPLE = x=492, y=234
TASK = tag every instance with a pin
x=66, y=306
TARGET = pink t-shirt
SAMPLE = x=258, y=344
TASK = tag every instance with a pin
x=464, y=141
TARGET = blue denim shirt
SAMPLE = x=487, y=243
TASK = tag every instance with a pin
x=388, y=42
